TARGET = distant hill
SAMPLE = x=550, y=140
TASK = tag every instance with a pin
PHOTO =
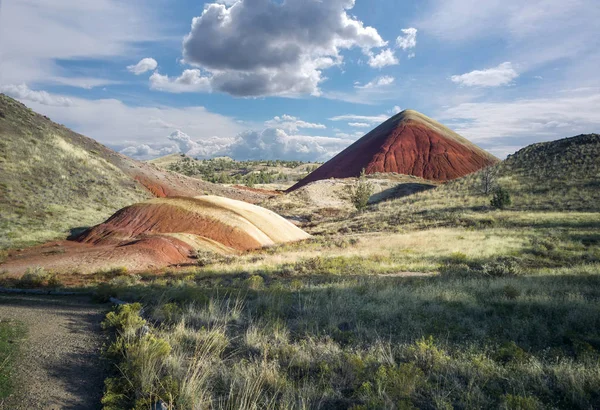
x=225, y=170
x=562, y=174
x=54, y=180
x=409, y=143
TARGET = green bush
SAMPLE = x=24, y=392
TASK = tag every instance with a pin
x=361, y=192
x=501, y=267
x=500, y=198
x=125, y=318
x=255, y=282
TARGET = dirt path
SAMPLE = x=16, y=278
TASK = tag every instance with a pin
x=60, y=365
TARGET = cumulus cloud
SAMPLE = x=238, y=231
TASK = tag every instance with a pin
x=188, y=81
x=269, y=143
x=144, y=65
x=291, y=124
x=23, y=92
x=377, y=82
x=359, y=124
x=145, y=151
x=498, y=76
x=408, y=40
x=274, y=143
x=383, y=59
x=256, y=48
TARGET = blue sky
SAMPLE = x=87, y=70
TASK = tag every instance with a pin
x=302, y=79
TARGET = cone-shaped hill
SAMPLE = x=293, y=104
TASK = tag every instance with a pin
x=408, y=143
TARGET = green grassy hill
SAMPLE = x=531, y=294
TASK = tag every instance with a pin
x=50, y=183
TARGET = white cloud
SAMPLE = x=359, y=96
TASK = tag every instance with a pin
x=145, y=151
x=205, y=148
x=353, y=136
x=360, y=118
x=291, y=124
x=408, y=40
x=23, y=92
x=385, y=58
x=144, y=65
x=257, y=48
x=269, y=143
x=188, y=81
x=377, y=82
x=86, y=83
x=394, y=110
x=119, y=125
x=503, y=74
x=36, y=34
x=359, y=124
x=536, y=31
x=527, y=120
x=274, y=143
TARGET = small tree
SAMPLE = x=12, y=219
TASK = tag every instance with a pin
x=488, y=179
x=500, y=198
x=361, y=192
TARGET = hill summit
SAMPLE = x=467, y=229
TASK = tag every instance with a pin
x=408, y=143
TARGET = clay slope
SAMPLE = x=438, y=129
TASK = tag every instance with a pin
x=54, y=179
x=162, y=232
x=408, y=143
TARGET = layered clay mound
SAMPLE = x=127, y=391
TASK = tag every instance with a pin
x=408, y=143
x=159, y=233
x=208, y=221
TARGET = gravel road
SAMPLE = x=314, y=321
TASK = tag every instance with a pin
x=60, y=365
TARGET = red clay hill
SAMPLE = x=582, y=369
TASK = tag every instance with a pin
x=161, y=232
x=408, y=143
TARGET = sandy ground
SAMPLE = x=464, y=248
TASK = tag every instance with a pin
x=60, y=366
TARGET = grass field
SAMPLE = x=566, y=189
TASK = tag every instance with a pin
x=508, y=320
x=10, y=335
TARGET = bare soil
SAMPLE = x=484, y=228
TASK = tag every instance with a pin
x=60, y=366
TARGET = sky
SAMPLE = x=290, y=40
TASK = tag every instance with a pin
x=302, y=79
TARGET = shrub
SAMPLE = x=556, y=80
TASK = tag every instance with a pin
x=33, y=278
x=125, y=318
x=500, y=198
x=488, y=178
x=255, y=282
x=501, y=267
x=361, y=192
x=510, y=352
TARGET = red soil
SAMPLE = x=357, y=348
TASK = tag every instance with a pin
x=152, y=219
x=146, y=253
x=404, y=146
